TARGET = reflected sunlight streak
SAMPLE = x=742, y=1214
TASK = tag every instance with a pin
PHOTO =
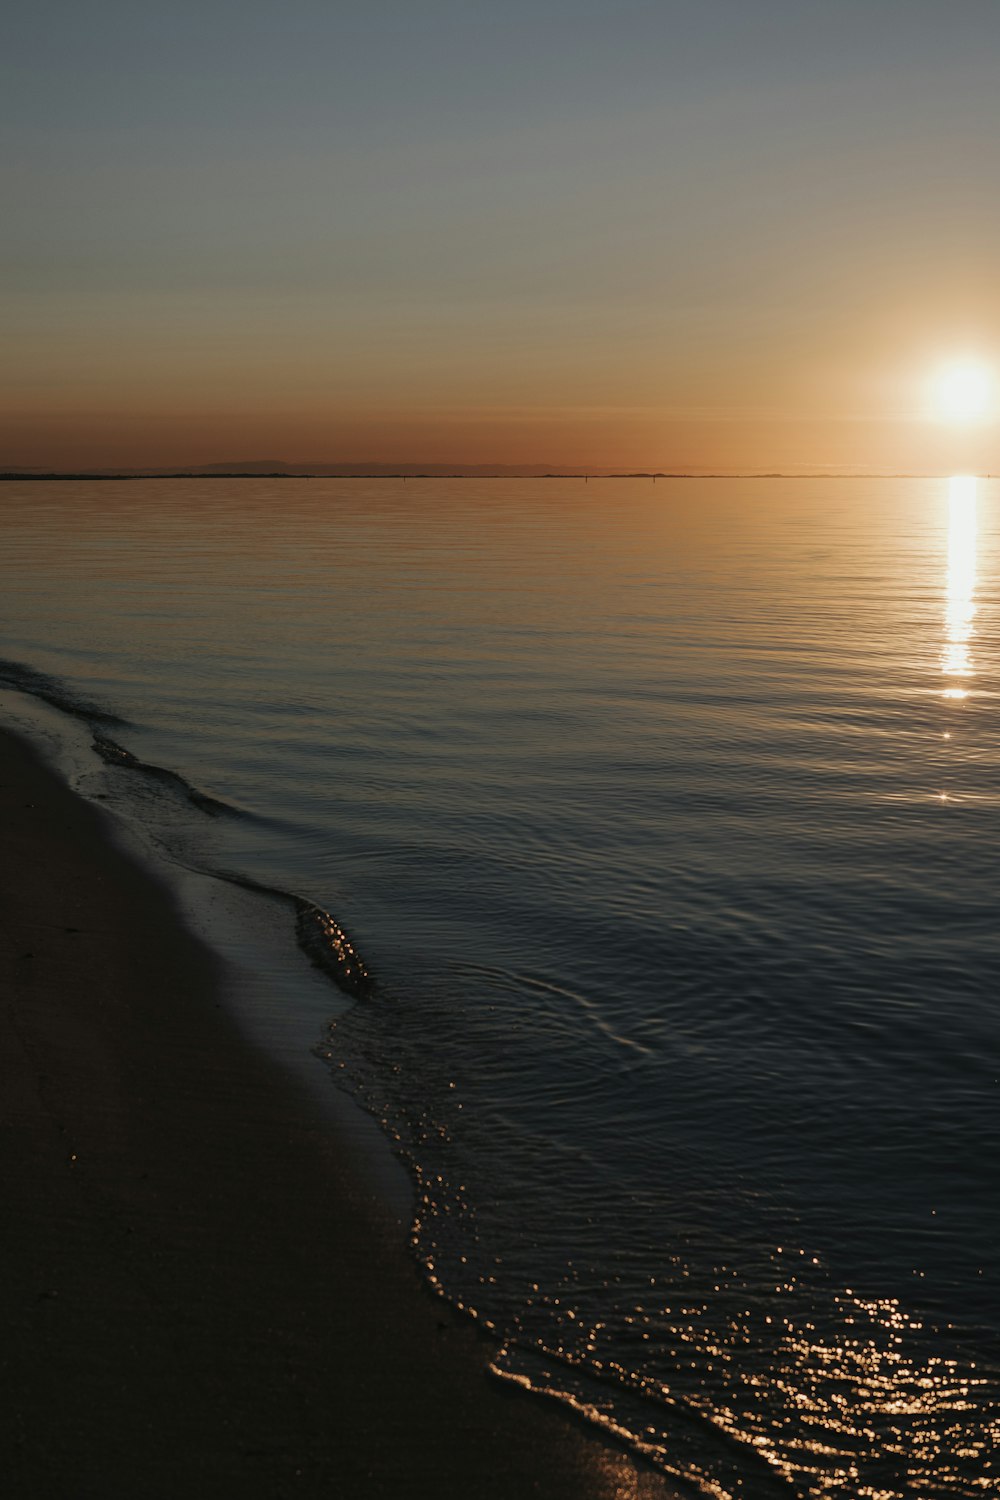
x=960, y=608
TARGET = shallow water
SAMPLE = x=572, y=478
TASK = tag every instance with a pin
x=667, y=819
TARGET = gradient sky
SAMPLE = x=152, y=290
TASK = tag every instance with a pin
x=650, y=233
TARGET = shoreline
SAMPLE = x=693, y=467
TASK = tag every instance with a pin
x=200, y=1291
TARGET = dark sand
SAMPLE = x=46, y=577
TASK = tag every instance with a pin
x=199, y=1297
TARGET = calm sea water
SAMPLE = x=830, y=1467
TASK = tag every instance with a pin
x=668, y=819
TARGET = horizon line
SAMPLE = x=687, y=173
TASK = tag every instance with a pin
x=471, y=472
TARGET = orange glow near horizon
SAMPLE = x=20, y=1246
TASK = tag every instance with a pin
x=117, y=436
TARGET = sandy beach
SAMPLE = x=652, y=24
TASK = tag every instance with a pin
x=199, y=1294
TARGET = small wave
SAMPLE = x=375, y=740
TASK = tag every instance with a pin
x=320, y=936
x=675, y=1437
x=25, y=679
x=117, y=755
x=590, y=1008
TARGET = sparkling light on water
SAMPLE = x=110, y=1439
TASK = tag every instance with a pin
x=960, y=610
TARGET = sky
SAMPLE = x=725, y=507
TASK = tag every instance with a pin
x=676, y=234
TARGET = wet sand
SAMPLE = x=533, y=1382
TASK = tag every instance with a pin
x=199, y=1292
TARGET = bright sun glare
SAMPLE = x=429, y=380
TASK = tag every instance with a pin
x=963, y=391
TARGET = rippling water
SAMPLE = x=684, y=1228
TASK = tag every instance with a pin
x=667, y=818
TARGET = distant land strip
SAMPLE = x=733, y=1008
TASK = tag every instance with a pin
x=117, y=476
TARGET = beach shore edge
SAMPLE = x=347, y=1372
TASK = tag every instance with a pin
x=200, y=1294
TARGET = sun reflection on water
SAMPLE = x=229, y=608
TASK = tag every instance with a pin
x=960, y=607
x=734, y=1384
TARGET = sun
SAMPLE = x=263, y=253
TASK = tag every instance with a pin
x=963, y=392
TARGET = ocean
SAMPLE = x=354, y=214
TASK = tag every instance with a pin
x=645, y=838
